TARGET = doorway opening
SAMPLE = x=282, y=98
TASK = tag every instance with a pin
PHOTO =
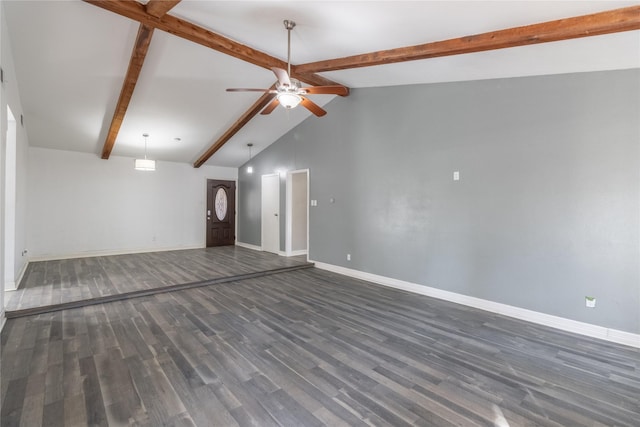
x=297, y=231
x=270, y=234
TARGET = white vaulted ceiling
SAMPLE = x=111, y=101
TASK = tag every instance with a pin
x=71, y=58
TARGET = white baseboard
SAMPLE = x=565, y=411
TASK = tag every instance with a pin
x=248, y=246
x=13, y=286
x=259, y=248
x=91, y=254
x=568, y=325
x=297, y=253
x=23, y=270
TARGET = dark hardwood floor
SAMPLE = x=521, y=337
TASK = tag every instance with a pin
x=307, y=348
x=53, y=285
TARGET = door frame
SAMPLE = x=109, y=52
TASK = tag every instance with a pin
x=262, y=209
x=289, y=214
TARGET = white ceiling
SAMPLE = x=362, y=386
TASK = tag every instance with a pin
x=71, y=58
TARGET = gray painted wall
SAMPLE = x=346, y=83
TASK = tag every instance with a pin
x=546, y=211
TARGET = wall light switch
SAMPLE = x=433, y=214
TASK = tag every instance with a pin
x=314, y=203
x=456, y=175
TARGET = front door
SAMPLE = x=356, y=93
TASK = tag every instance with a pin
x=221, y=213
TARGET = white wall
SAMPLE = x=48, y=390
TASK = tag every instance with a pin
x=83, y=205
x=17, y=207
x=9, y=198
x=3, y=129
x=22, y=157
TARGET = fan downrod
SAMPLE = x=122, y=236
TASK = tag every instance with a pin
x=289, y=25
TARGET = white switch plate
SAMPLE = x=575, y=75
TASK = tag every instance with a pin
x=348, y=257
x=456, y=176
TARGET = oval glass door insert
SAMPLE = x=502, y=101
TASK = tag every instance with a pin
x=221, y=204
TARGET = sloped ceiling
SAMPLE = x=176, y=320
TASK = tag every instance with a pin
x=71, y=58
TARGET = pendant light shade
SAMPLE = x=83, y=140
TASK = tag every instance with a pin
x=144, y=164
x=250, y=168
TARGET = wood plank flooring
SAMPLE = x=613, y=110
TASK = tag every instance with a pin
x=307, y=348
x=52, y=285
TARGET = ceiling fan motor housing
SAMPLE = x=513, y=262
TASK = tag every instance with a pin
x=293, y=88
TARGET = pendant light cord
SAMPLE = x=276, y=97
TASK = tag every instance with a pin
x=145, y=136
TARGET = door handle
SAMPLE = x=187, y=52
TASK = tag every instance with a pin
x=275, y=214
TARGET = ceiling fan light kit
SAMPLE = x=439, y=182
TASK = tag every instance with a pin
x=289, y=92
x=289, y=100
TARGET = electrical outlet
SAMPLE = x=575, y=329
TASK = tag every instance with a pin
x=590, y=301
x=456, y=175
x=348, y=257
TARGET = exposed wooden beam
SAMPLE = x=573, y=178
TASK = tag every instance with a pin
x=613, y=21
x=135, y=65
x=189, y=31
x=158, y=8
x=239, y=124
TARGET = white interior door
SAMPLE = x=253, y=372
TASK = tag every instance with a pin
x=271, y=213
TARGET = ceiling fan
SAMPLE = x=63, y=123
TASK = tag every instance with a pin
x=289, y=92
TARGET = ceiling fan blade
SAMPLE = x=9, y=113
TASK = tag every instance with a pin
x=312, y=106
x=270, y=106
x=282, y=76
x=242, y=89
x=326, y=90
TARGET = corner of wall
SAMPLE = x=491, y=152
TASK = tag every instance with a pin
x=248, y=246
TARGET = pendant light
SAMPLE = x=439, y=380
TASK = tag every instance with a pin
x=144, y=164
x=250, y=168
